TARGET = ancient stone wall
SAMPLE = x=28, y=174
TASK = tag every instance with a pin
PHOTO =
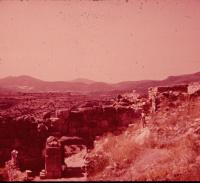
x=153, y=91
x=88, y=122
x=28, y=135
x=167, y=96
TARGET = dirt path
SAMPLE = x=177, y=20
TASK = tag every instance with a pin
x=62, y=179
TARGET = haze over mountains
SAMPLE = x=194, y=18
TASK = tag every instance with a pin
x=29, y=84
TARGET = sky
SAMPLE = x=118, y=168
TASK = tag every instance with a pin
x=104, y=40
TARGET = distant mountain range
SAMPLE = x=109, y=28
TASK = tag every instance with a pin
x=83, y=80
x=30, y=84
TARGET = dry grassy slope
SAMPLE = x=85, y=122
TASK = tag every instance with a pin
x=166, y=149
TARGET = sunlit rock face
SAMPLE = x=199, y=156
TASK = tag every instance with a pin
x=193, y=88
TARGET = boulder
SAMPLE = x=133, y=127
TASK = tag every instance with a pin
x=143, y=136
x=57, y=124
x=52, y=142
x=46, y=115
x=62, y=113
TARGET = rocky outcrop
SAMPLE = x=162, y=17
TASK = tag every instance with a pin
x=193, y=88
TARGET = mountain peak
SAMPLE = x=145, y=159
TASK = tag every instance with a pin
x=23, y=80
x=22, y=77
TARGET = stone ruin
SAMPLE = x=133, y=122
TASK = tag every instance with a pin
x=86, y=121
x=55, y=156
x=53, y=159
x=155, y=91
x=157, y=95
x=160, y=95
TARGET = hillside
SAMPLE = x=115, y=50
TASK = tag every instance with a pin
x=30, y=84
x=83, y=80
x=166, y=149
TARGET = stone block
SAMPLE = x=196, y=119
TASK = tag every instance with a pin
x=53, y=158
x=62, y=113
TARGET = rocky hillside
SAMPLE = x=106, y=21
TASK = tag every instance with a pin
x=166, y=149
